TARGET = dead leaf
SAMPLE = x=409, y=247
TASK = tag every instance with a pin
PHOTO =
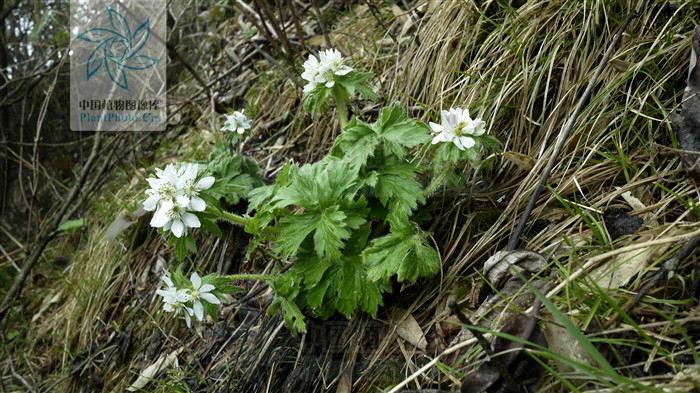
x=400, y=14
x=46, y=303
x=561, y=341
x=121, y=223
x=165, y=360
x=409, y=329
x=621, y=268
x=498, y=265
x=345, y=382
x=523, y=161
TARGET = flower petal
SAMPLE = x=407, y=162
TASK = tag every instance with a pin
x=188, y=320
x=151, y=203
x=467, y=141
x=206, y=288
x=205, y=183
x=436, y=127
x=197, y=204
x=458, y=143
x=210, y=298
x=191, y=220
x=199, y=310
x=479, y=127
x=160, y=218
x=178, y=228
x=196, y=280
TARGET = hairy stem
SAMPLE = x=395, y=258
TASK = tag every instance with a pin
x=233, y=218
x=269, y=233
x=261, y=277
x=439, y=179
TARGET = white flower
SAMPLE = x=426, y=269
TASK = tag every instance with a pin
x=311, y=73
x=322, y=70
x=174, y=216
x=458, y=127
x=174, y=300
x=163, y=188
x=174, y=194
x=236, y=122
x=190, y=189
x=331, y=65
x=199, y=292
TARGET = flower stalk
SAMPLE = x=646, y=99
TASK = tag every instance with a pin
x=261, y=277
x=245, y=222
x=439, y=179
x=341, y=101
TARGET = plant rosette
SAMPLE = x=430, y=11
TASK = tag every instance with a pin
x=347, y=222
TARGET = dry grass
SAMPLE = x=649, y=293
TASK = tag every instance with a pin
x=521, y=69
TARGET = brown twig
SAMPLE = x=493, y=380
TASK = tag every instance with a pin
x=262, y=27
x=297, y=24
x=319, y=18
x=39, y=247
x=564, y=135
x=262, y=8
x=14, y=372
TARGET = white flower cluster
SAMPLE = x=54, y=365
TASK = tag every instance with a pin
x=174, y=195
x=237, y=122
x=188, y=300
x=322, y=70
x=458, y=127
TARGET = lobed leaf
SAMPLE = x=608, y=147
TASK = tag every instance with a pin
x=405, y=252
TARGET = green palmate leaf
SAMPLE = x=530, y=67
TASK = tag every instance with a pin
x=189, y=242
x=210, y=199
x=357, y=81
x=343, y=287
x=316, y=98
x=178, y=279
x=325, y=191
x=236, y=175
x=405, y=251
x=401, y=195
x=323, y=184
x=394, y=131
x=291, y=313
x=259, y=196
x=358, y=141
